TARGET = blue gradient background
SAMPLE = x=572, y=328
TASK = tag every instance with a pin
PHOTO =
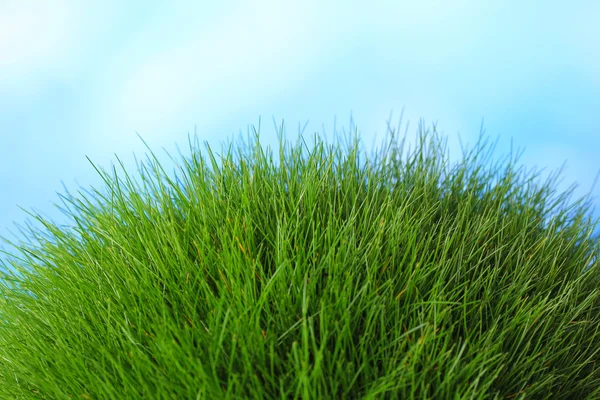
x=82, y=78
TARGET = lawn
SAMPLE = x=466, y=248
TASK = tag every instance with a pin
x=321, y=273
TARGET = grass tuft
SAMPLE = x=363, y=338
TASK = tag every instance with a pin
x=328, y=275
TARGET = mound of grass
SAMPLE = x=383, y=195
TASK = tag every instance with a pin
x=319, y=277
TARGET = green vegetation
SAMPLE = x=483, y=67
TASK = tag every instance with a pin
x=328, y=275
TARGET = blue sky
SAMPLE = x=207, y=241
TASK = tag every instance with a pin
x=81, y=79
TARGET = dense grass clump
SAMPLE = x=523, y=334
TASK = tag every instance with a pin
x=322, y=276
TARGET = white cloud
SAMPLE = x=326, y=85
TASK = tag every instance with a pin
x=259, y=48
x=35, y=37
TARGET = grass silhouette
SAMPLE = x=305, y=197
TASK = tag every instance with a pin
x=404, y=276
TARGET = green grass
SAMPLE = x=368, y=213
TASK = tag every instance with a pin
x=331, y=276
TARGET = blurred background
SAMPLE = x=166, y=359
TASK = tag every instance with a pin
x=82, y=79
